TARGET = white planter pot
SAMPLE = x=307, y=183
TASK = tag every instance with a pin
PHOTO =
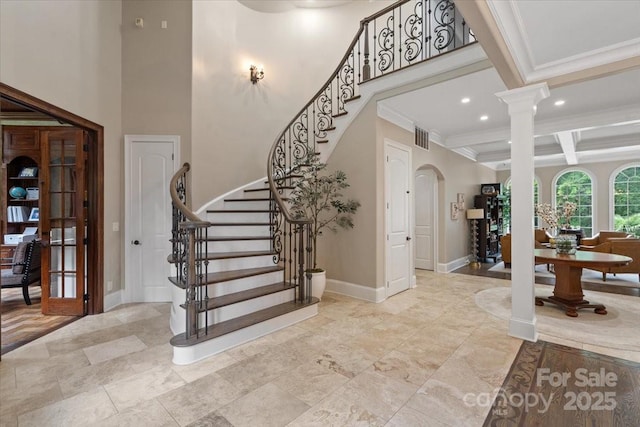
x=318, y=283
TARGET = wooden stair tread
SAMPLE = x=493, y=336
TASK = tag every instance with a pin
x=230, y=255
x=353, y=98
x=227, y=276
x=238, y=211
x=239, y=224
x=231, y=238
x=241, y=322
x=343, y=113
x=322, y=141
x=224, y=300
x=251, y=199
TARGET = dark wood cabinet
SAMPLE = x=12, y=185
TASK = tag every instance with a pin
x=490, y=229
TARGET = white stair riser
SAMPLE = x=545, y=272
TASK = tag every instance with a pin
x=239, y=245
x=216, y=265
x=239, y=230
x=239, y=285
x=247, y=307
x=232, y=217
x=265, y=193
x=248, y=205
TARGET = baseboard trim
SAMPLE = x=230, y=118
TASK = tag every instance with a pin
x=113, y=300
x=453, y=265
x=356, y=291
x=523, y=329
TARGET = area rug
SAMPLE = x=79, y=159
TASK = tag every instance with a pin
x=618, y=329
x=553, y=385
x=626, y=279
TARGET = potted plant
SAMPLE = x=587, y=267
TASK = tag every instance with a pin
x=317, y=195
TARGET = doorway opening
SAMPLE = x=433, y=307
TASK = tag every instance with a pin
x=20, y=108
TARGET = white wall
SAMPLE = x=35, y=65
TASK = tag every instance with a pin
x=68, y=53
x=235, y=122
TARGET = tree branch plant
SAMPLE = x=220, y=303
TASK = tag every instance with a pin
x=317, y=195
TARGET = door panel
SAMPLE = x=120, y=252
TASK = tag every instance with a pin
x=152, y=167
x=398, y=220
x=425, y=219
x=63, y=222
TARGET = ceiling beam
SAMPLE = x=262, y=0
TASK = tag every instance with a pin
x=478, y=15
x=568, y=143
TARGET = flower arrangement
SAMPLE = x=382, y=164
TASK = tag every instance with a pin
x=553, y=216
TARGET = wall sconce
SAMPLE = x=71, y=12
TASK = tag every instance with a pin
x=256, y=74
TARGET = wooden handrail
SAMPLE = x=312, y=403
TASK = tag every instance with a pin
x=175, y=198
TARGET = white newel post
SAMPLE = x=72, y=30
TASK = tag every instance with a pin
x=522, y=109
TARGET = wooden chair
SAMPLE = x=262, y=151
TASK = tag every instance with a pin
x=25, y=268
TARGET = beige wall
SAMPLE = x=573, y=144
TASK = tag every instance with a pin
x=357, y=256
x=235, y=122
x=601, y=173
x=68, y=53
x=156, y=70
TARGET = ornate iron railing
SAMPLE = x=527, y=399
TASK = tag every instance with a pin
x=403, y=34
x=189, y=240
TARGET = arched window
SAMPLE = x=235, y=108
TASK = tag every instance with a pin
x=626, y=199
x=576, y=186
x=506, y=210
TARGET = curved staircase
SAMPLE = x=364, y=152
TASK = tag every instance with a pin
x=240, y=264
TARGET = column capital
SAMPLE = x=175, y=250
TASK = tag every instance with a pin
x=523, y=99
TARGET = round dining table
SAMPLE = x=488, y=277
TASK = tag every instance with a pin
x=567, y=292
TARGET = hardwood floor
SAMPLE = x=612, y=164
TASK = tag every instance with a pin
x=23, y=323
x=598, y=287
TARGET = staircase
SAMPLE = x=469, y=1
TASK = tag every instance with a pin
x=240, y=265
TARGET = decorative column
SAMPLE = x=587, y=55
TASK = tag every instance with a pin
x=522, y=109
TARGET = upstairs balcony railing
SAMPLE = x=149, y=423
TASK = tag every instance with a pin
x=401, y=35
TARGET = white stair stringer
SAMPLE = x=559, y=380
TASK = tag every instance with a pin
x=191, y=354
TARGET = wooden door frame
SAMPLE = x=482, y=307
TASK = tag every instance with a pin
x=95, y=189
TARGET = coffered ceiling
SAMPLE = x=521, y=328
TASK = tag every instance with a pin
x=588, y=52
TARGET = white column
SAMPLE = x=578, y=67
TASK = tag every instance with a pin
x=522, y=109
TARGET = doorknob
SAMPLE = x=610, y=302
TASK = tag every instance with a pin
x=136, y=242
x=408, y=238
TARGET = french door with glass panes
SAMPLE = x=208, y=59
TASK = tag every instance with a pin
x=63, y=216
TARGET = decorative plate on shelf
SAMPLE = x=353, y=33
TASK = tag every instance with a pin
x=488, y=190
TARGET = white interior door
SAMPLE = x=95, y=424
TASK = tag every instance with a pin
x=150, y=166
x=398, y=218
x=425, y=200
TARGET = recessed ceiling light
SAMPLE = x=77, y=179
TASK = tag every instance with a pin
x=509, y=142
x=559, y=102
x=465, y=100
x=483, y=118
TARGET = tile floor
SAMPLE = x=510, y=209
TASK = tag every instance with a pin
x=405, y=362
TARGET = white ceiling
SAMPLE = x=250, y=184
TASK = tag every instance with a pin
x=600, y=119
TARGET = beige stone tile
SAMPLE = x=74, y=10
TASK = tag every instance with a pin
x=135, y=312
x=310, y=382
x=146, y=385
x=25, y=400
x=488, y=363
x=255, y=371
x=204, y=367
x=46, y=371
x=445, y=403
x=345, y=360
x=266, y=406
x=378, y=394
x=315, y=322
x=407, y=417
x=377, y=343
x=77, y=342
x=403, y=367
x=336, y=411
x=150, y=413
x=89, y=377
x=92, y=324
x=151, y=357
x=197, y=399
x=112, y=349
x=7, y=379
x=80, y=410
x=561, y=341
x=211, y=420
x=265, y=343
x=32, y=351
